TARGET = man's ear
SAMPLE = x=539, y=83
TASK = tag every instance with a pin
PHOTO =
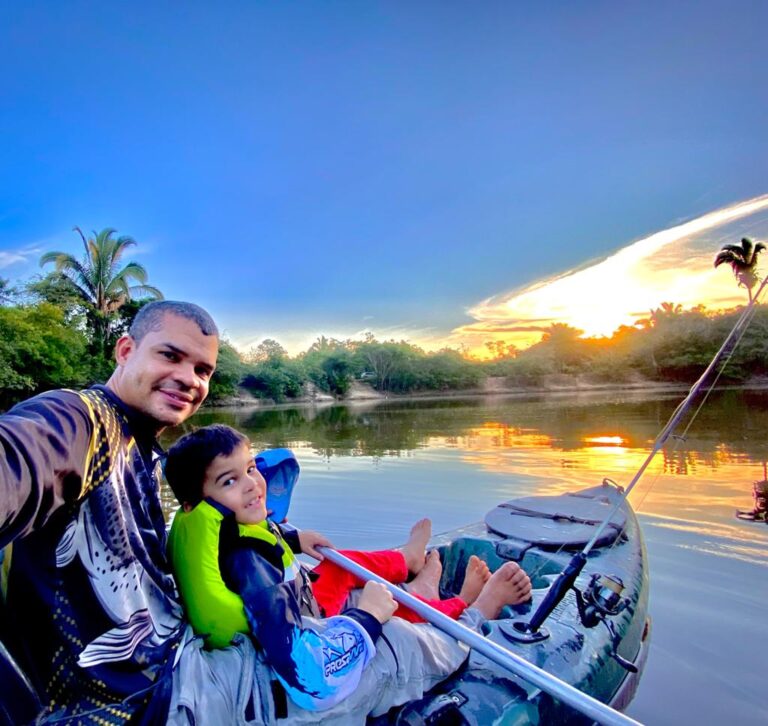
x=123, y=348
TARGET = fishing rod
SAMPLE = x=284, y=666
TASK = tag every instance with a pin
x=562, y=691
x=567, y=577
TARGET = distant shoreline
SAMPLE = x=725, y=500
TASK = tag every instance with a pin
x=563, y=385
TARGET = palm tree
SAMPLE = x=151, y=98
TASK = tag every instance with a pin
x=97, y=283
x=6, y=291
x=743, y=261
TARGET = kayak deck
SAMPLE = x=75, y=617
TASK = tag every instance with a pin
x=542, y=534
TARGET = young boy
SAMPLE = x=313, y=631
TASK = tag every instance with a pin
x=237, y=572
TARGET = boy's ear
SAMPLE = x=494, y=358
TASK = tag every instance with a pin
x=187, y=507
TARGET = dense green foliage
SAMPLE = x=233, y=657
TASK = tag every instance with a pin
x=229, y=372
x=39, y=351
x=270, y=373
x=59, y=330
x=671, y=346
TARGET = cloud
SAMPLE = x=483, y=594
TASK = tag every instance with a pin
x=20, y=256
x=672, y=265
x=491, y=327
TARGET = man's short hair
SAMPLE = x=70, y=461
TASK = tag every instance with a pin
x=189, y=458
x=150, y=318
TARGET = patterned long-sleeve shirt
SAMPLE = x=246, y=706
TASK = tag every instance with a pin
x=88, y=573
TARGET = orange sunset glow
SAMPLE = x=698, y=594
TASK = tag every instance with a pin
x=676, y=482
x=673, y=265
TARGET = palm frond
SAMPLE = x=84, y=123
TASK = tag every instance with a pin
x=82, y=237
x=134, y=271
x=55, y=257
x=139, y=291
x=729, y=257
x=85, y=295
x=119, y=246
x=735, y=249
x=68, y=267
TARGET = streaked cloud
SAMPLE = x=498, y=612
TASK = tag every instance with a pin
x=23, y=255
x=673, y=265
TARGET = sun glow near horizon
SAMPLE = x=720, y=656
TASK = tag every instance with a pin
x=673, y=265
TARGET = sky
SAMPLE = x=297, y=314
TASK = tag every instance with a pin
x=444, y=172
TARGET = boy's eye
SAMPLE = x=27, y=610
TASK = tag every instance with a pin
x=251, y=468
x=228, y=482
x=169, y=355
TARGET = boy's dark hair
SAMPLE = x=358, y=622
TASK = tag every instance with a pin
x=150, y=318
x=189, y=458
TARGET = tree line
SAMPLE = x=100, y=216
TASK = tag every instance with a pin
x=58, y=330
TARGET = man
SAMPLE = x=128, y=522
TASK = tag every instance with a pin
x=92, y=612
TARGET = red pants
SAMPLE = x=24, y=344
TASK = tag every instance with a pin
x=333, y=584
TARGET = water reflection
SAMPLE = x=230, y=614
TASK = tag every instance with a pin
x=569, y=424
x=560, y=442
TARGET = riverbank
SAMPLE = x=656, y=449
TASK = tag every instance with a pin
x=492, y=386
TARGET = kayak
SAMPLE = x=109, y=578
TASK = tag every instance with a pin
x=596, y=639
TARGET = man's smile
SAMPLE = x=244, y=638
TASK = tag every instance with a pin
x=177, y=397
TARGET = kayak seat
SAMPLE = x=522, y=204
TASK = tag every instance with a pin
x=563, y=521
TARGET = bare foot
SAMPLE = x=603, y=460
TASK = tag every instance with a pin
x=427, y=582
x=509, y=585
x=415, y=549
x=475, y=576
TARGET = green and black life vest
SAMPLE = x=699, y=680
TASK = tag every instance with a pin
x=193, y=547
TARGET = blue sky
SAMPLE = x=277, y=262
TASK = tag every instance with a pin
x=333, y=167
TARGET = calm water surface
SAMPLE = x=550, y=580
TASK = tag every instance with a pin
x=369, y=470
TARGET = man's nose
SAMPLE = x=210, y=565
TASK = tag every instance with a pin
x=186, y=375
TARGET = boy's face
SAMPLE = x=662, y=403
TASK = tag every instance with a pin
x=235, y=482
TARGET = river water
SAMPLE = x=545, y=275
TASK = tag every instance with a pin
x=370, y=469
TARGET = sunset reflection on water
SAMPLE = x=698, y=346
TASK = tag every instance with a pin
x=682, y=484
x=549, y=444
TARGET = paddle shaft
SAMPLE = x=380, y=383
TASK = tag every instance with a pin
x=560, y=690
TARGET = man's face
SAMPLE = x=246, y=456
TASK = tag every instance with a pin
x=166, y=375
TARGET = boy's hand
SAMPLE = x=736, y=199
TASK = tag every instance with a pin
x=310, y=540
x=378, y=601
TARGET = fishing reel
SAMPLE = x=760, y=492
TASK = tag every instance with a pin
x=600, y=601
